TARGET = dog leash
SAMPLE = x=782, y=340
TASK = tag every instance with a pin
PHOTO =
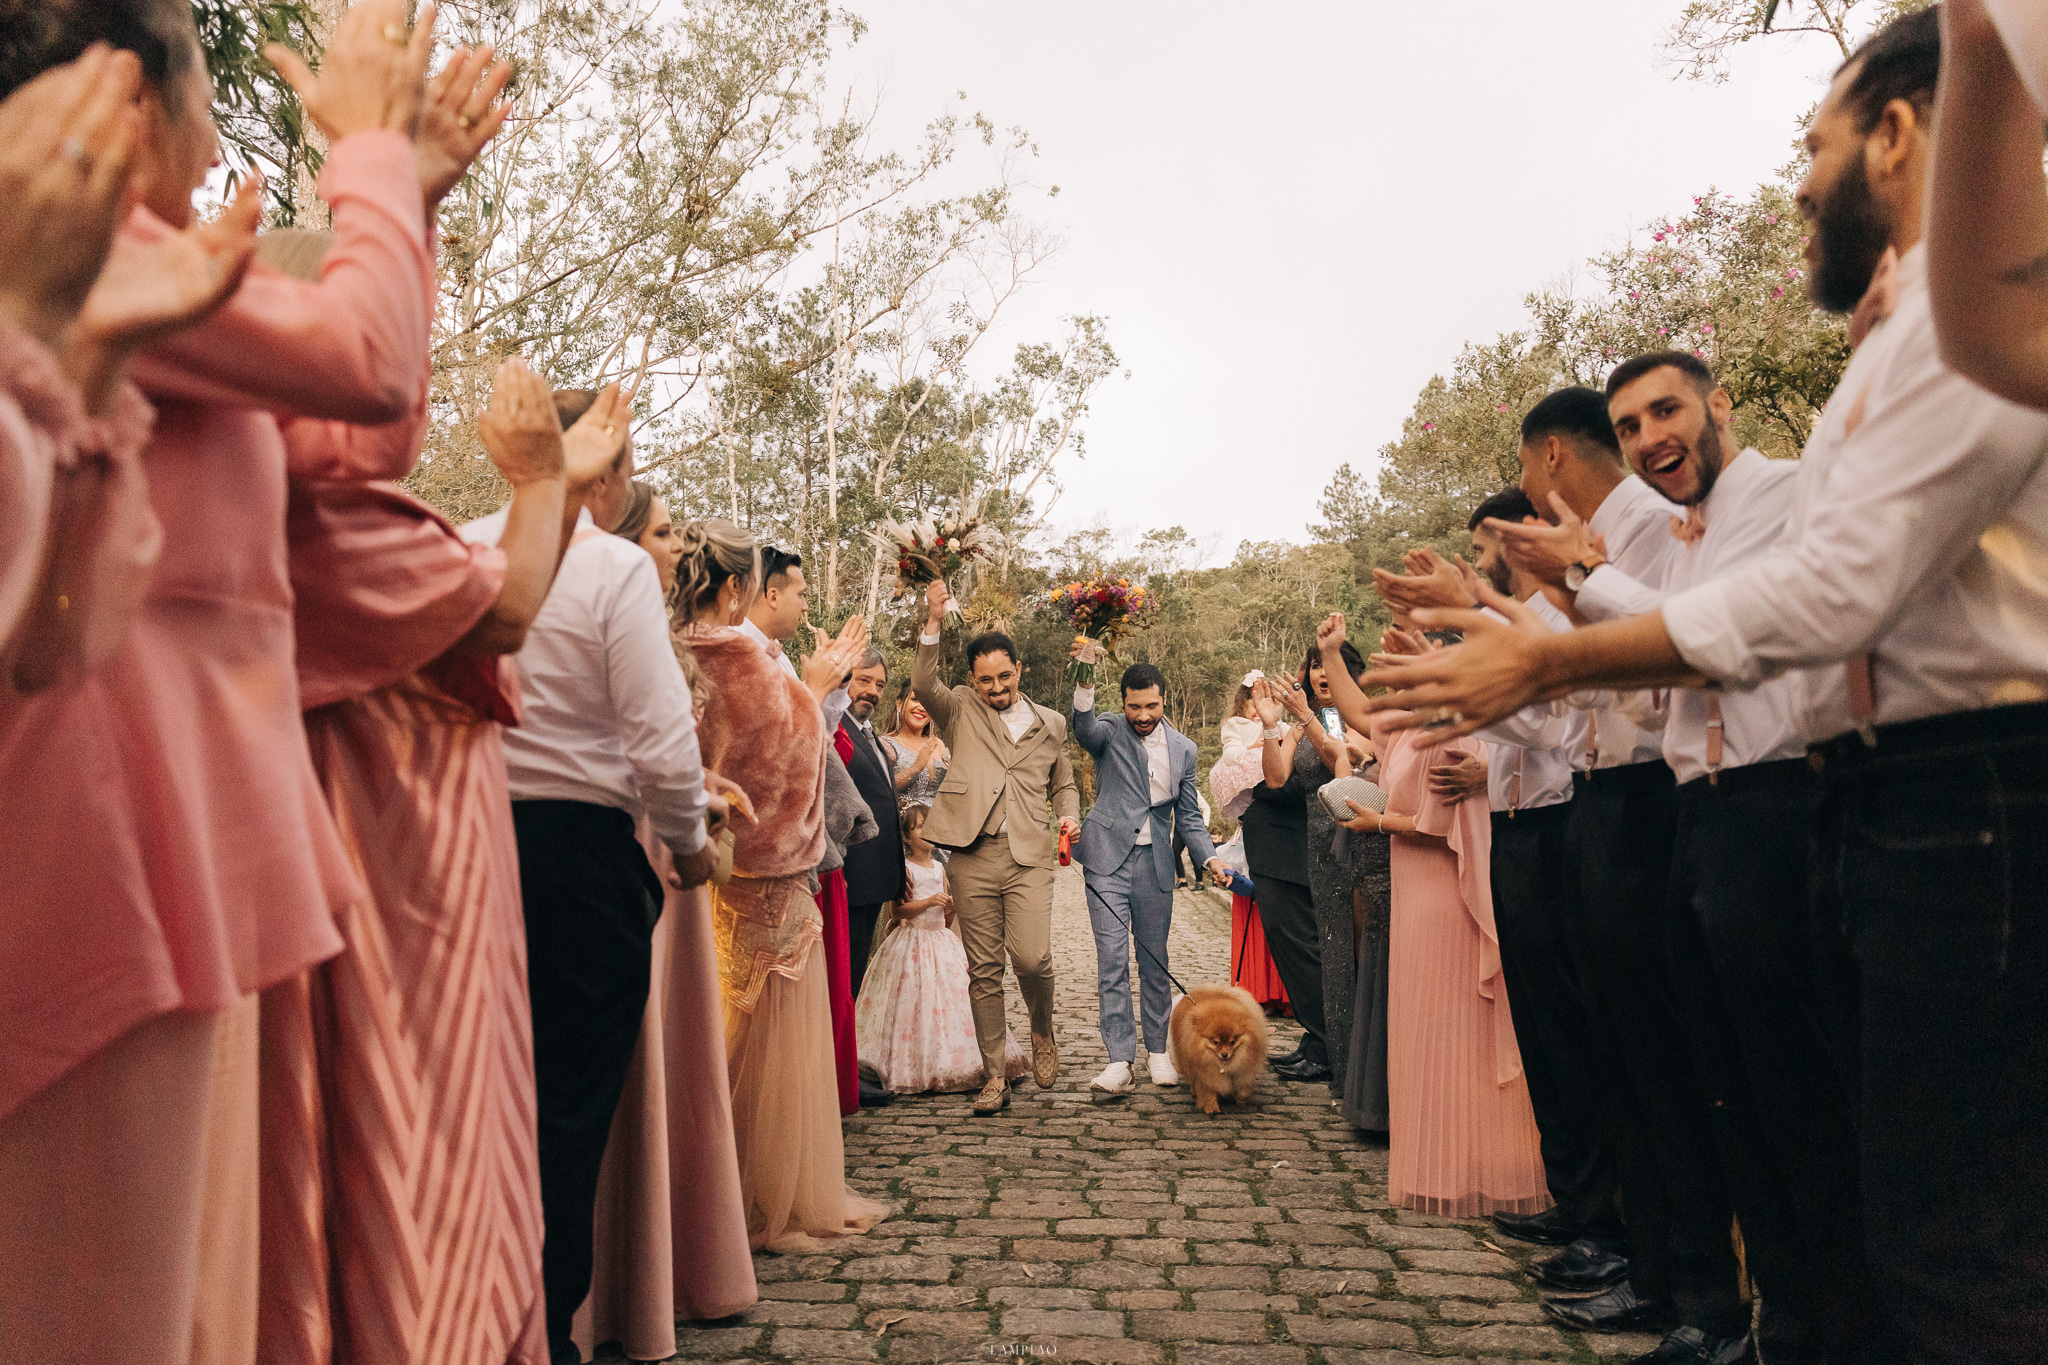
x=1132, y=932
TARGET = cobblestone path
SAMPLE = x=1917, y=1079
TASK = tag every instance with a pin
x=1141, y=1230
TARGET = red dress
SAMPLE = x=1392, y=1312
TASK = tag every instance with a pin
x=1251, y=966
x=839, y=968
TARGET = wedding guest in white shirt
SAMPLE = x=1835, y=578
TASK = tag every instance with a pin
x=607, y=734
x=1536, y=906
x=1680, y=1271
x=1742, y=949
x=1914, y=549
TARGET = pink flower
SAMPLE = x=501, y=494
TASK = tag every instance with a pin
x=1771, y=218
x=1663, y=331
x=1699, y=355
x=1708, y=329
x=1500, y=407
x=1635, y=294
x=1779, y=292
x=1429, y=426
x=1656, y=236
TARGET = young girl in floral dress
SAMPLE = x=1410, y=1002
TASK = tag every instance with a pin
x=913, y=1023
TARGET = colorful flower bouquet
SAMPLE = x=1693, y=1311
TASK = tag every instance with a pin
x=1102, y=611
x=928, y=550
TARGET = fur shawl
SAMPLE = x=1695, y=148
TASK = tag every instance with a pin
x=763, y=730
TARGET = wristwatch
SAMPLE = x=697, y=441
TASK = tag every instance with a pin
x=1575, y=575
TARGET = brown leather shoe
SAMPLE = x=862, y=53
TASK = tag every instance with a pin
x=993, y=1099
x=1045, y=1061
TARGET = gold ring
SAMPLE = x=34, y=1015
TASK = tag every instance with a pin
x=464, y=122
x=1442, y=717
x=395, y=34
x=611, y=431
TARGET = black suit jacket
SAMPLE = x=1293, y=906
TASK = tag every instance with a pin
x=1276, y=832
x=874, y=867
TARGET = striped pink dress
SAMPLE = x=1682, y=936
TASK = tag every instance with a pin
x=402, y=1192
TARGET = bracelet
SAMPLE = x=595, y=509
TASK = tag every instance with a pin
x=1273, y=732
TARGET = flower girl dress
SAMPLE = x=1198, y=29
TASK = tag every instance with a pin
x=913, y=1024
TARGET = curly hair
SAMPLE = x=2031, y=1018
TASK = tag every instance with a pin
x=714, y=550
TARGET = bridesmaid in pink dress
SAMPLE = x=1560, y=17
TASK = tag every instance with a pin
x=1463, y=1141
x=401, y=1209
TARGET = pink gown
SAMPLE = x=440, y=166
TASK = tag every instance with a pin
x=104, y=1089
x=671, y=1229
x=1463, y=1140
x=184, y=756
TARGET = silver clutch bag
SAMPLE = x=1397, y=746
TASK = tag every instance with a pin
x=1335, y=793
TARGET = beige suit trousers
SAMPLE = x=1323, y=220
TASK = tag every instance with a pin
x=1002, y=906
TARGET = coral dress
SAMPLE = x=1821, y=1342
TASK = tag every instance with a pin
x=914, y=1020
x=1463, y=1139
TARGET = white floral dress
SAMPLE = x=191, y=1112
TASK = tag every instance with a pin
x=913, y=1024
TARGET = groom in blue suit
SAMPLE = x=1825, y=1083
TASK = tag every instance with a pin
x=1144, y=782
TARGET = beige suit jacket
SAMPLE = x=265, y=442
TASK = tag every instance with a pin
x=988, y=766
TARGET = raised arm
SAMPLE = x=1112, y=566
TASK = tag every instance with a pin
x=934, y=696
x=1987, y=219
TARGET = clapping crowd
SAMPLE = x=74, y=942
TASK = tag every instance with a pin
x=428, y=943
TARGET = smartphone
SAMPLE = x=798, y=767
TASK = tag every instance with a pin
x=1333, y=725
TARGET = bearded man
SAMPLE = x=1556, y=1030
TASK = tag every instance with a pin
x=1009, y=764
x=1145, y=793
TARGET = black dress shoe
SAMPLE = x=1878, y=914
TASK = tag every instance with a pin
x=872, y=1096
x=1691, y=1346
x=1305, y=1071
x=1584, y=1267
x=1285, y=1058
x=1550, y=1228
x=1618, y=1310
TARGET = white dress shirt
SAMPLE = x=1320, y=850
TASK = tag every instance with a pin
x=835, y=701
x=608, y=716
x=1918, y=533
x=1530, y=754
x=1745, y=516
x=1634, y=521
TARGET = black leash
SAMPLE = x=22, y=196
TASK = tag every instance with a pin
x=1129, y=929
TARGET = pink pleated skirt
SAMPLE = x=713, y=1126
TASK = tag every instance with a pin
x=1463, y=1143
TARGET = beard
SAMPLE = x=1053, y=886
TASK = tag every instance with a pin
x=1145, y=727
x=1501, y=576
x=862, y=707
x=1851, y=233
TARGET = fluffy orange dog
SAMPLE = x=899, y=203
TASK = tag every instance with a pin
x=1217, y=1039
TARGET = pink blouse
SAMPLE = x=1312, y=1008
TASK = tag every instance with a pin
x=168, y=845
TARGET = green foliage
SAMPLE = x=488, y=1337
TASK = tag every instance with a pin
x=261, y=124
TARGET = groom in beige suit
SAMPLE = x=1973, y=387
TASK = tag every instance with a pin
x=1009, y=764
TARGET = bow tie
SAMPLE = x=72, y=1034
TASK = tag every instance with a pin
x=1690, y=527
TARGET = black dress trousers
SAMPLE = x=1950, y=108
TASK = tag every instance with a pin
x=592, y=901
x=1535, y=906
x=1675, y=1198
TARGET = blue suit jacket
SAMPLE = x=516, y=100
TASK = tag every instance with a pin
x=1123, y=797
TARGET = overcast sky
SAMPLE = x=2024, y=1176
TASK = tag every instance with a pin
x=1293, y=215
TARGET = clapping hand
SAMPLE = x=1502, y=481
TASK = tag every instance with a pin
x=1295, y=700
x=1266, y=704
x=828, y=666
x=373, y=75
x=461, y=112
x=1545, y=551
x=1494, y=672
x=1431, y=581
x=67, y=142
x=520, y=430
x=591, y=446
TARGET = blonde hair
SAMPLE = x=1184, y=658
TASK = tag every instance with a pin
x=714, y=550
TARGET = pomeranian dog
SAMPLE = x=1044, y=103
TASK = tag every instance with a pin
x=1217, y=1040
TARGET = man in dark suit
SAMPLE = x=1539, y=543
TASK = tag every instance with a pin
x=1276, y=848
x=874, y=867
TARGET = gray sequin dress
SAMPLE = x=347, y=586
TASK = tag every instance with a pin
x=1354, y=968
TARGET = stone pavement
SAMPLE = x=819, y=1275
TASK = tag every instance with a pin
x=1140, y=1230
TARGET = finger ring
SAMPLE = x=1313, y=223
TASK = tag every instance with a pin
x=1441, y=717
x=75, y=152
x=395, y=33
x=464, y=122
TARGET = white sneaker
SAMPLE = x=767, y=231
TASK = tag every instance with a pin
x=1162, y=1069
x=1116, y=1079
